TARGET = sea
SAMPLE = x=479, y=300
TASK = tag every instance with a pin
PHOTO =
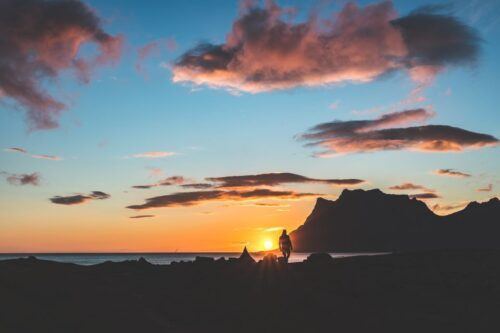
x=154, y=258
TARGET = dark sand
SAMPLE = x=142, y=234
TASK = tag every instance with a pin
x=415, y=292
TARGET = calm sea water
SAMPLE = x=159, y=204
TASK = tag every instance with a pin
x=154, y=258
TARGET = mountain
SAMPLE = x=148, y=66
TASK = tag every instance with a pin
x=373, y=221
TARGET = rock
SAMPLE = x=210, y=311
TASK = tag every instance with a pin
x=203, y=260
x=270, y=258
x=245, y=257
x=319, y=258
x=142, y=261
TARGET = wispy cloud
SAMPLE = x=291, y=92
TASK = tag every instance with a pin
x=410, y=187
x=40, y=39
x=38, y=156
x=79, y=198
x=140, y=216
x=451, y=173
x=173, y=180
x=272, y=229
x=488, y=188
x=356, y=44
x=154, y=154
x=151, y=49
x=448, y=207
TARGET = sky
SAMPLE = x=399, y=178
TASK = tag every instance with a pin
x=209, y=126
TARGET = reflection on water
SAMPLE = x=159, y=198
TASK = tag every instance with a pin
x=154, y=258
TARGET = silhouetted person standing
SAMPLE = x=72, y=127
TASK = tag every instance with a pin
x=285, y=245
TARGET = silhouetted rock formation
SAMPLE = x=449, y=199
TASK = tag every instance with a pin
x=319, y=259
x=444, y=291
x=372, y=221
x=245, y=257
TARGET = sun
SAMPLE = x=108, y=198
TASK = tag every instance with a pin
x=268, y=244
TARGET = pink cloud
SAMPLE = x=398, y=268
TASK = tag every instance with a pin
x=154, y=154
x=356, y=44
x=40, y=39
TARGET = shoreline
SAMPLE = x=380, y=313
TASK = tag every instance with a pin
x=411, y=292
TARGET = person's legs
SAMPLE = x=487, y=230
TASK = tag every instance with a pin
x=286, y=254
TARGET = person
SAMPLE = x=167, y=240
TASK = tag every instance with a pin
x=285, y=245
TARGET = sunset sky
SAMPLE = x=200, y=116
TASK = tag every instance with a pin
x=210, y=125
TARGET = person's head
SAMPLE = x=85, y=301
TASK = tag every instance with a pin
x=284, y=232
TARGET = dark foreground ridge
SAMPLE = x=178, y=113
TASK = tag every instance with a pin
x=373, y=221
x=414, y=292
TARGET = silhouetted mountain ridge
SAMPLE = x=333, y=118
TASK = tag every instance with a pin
x=372, y=220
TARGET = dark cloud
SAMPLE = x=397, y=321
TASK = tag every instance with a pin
x=358, y=136
x=410, y=186
x=22, y=179
x=423, y=196
x=173, y=180
x=451, y=173
x=272, y=179
x=198, y=186
x=144, y=187
x=38, y=40
x=79, y=198
x=437, y=39
x=357, y=44
x=140, y=216
x=198, y=197
x=17, y=150
x=488, y=188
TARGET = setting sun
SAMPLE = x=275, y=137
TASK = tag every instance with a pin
x=268, y=244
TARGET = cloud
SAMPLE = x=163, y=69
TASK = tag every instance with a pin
x=410, y=186
x=140, y=216
x=424, y=196
x=273, y=179
x=154, y=154
x=173, y=180
x=445, y=208
x=17, y=150
x=144, y=187
x=356, y=44
x=198, y=197
x=267, y=204
x=79, y=198
x=451, y=173
x=38, y=156
x=151, y=49
x=22, y=179
x=357, y=136
x=40, y=39
x=488, y=188
x=145, y=52
x=198, y=186
x=272, y=229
